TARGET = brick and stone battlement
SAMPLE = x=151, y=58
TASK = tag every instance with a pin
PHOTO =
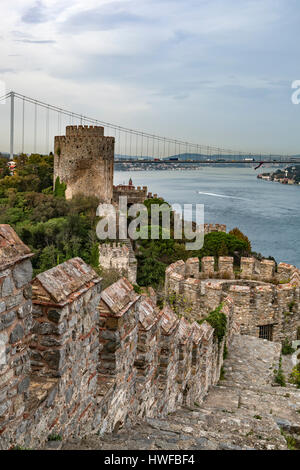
x=76, y=360
x=135, y=195
x=209, y=228
x=223, y=268
x=81, y=361
x=120, y=257
x=260, y=295
x=74, y=131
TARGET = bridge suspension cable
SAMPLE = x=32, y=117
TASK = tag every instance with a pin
x=130, y=143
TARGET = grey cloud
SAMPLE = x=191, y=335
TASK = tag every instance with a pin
x=35, y=14
x=29, y=38
x=6, y=70
x=35, y=41
x=100, y=20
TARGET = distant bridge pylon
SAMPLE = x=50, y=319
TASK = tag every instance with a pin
x=34, y=123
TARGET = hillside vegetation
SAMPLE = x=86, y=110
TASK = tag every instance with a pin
x=56, y=229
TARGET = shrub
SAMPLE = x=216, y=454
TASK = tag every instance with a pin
x=295, y=376
x=279, y=375
x=60, y=188
x=241, y=236
x=218, y=321
x=54, y=437
x=287, y=347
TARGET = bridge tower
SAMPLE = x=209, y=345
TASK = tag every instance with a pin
x=84, y=161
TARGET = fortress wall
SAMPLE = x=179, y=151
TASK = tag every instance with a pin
x=192, y=268
x=147, y=357
x=240, y=296
x=208, y=353
x=179, y=268
x=100, y=363
x=59, y=391
x=209, y=228
x=118, y=335
x=264, y=308
x=190, y=305
x=119, y=257
x=284, y=272
x=225, y=267
x=267, y=270
x=176, y=283
x=185, y=347
x=247, y=268
x=83, y=131
x=250, y=268
x=213, y=295
x=99, y=360
x=168, y=362
x=288, y=311
x=196, y=390
x=135, y=195
x=208, y=265
x=84, y=160
x=15, y=325
x=258, y=300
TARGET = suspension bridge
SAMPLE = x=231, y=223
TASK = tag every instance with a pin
x=34, y=123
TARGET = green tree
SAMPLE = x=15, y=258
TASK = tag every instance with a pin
x=241, y=236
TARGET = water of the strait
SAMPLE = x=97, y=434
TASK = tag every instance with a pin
x=267, y=212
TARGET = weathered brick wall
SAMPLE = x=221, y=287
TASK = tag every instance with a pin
x=15, y=325
x=84, y=160
x=120, y=257
x=63, y=338
x=151, y=361
x=135, y=195
x=81, y=361
x=209, y=228
x=147, y=356
x=118, y=338
x=260, y=295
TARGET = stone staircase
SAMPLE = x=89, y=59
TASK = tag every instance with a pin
x=244, y=411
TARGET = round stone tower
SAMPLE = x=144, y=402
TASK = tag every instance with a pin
x=84, y=161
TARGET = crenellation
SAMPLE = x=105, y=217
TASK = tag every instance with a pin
x=213, y=296
x=247, y=268
x=72, y=131
x=208, y=265
x=257, y=299
x=240, y=296
x=209, y=228
x=120, y=257
x=176, y=283
x=81, y=360
x=191, y=298
x=267, y=270
x=134, y=195
x=192, y=268
x=225, y=267
x=284, y=271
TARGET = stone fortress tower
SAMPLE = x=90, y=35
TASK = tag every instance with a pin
x=84, y=161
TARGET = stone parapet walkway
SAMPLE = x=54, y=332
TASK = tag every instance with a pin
x=246, y=410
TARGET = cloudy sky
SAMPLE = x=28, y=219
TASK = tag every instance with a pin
x=216, y=72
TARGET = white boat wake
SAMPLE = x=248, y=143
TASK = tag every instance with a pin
x=223, y=196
